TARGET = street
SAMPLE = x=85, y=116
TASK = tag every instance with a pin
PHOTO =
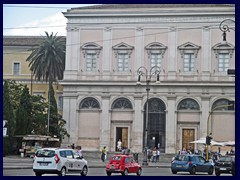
x=101, y=172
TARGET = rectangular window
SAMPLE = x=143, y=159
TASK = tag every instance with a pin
x=188, y=62
x=223, y=62
x=156, y=60
x=91, y=62
x=16, y=69
x=60, y=102
x=123, y=62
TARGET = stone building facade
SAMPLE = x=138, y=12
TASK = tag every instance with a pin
x=107, y=44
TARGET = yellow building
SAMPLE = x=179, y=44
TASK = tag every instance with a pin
x=15, y=66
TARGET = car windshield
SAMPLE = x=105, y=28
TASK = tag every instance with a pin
x=45, y=153
x=181, y=158
x=225, y=158
x=116, y=158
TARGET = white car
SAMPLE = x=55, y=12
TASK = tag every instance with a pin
x=58, y=161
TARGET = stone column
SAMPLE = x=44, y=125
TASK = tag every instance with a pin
x=70, y=116
x=204, y=117
x=139, y=48
x=171, y=125
x=137, y=127
x=105, y=123
x=172, y=49
x=206, y=54
x=107, y=51
x=72, y=53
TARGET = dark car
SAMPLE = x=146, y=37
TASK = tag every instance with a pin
x=123, y=164
x=191, y=163
x=225, y=164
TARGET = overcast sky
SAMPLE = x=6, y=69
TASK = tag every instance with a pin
x=26, y=19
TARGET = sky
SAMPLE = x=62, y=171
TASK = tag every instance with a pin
x=35, y=19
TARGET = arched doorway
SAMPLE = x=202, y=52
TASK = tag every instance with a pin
x=156, y=123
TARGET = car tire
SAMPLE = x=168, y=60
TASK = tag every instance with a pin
x=139, y=172
x=125, y=172
x=174, y=172
x=84, y=171
x=38, y=174
x=62, y=172
x=109, y=174
x=193, y=171
x=210, y=171
x=217, y=173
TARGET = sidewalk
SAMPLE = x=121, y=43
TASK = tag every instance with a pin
x=16, y=162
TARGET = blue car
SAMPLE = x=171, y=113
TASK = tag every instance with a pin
x=191, y=163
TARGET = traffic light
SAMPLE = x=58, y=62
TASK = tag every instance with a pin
x=208, y=140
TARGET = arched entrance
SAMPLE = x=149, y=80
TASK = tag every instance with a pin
x=156, y=123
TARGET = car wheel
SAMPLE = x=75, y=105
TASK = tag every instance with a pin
x=63, y=172
x=139, y=172
x=217, y=173
x=125, y=172
x=109, y=174
x=193, y=171
x=84, y=171
x=38, y=174
x=210, y=171
x=174, y=172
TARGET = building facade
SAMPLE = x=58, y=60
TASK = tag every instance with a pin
x=15, y=67
x=105, y=47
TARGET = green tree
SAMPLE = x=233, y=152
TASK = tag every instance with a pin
x=8, y=111
x=47, y=62
x=24, y=113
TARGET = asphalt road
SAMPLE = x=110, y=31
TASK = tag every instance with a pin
x=101, y=172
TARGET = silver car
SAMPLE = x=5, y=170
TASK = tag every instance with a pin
x=58, y=161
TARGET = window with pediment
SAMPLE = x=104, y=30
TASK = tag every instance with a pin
x=89, y=103
x=188, y=104
x=223, y=54
x=222, y=105
x=155, y=53
x=189, y=52
x=123, y=53
x=122, y=103
x=91, y=53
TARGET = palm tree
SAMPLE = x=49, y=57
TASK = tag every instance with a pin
x=47, y=60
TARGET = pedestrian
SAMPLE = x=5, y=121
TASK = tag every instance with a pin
x=73, y=146
x=119, y=145
x=149, y=154
x=159, y=145
x=154, y=153
x=104, y=154
x=79, y=151
x=158, y=154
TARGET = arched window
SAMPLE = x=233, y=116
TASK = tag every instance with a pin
x=89, y=103
x=223, y=104
x=122, y=103
x=188, y=104
x=155, y=105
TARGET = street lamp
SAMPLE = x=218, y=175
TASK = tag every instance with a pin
x=225, y=28
x=209, y=115
x=142, y=71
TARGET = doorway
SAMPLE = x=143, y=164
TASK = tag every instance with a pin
x=188, y=135
x=122, y=134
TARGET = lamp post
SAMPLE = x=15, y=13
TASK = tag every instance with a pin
x=143, y=71
x=225, y=28
x=209, y=115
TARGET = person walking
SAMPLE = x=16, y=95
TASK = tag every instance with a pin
x=104, y=154
x=79, y=151
x=119, y=145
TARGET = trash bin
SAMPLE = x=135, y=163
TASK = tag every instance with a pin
x=22, y=154
x=135, y=156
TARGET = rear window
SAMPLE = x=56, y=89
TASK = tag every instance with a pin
x=116, y=158
x=225, y=158
x=45, y=153
x=182, y=158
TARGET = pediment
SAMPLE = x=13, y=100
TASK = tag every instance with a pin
x=189, y=46
x=155, y=46
x=91, y=46
x=122, y=46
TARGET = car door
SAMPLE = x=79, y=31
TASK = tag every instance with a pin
x=203, y=164
x=127, y=163
x=70, y=160
x=78, y=162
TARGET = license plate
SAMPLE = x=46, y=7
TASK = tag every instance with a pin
x=43, y=164
x=112, y=167
x=178, y=166
x=222, y=168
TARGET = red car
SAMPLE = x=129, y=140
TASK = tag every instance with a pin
x=124, y=164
